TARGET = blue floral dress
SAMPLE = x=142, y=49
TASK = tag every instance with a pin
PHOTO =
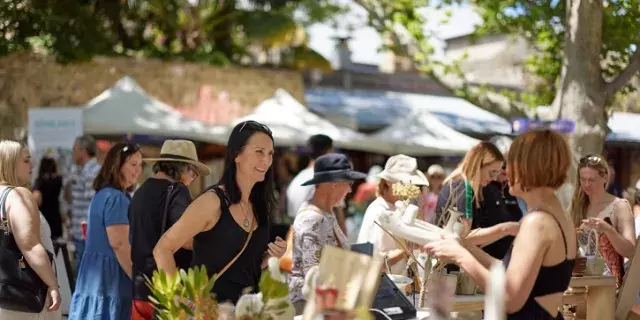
x=103, y=289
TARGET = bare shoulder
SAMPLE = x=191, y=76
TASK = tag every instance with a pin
x=208, y=199
x=622, y=205
x=540, y=223
x=21, y=194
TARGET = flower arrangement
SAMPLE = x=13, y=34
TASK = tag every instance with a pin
x=406, y=192
x=187, y=295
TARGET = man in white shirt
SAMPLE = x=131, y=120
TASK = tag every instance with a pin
x=398, y=169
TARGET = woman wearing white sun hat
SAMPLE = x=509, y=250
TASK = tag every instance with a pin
x=398, y=169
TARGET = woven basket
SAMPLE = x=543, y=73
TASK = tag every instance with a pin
x=465, y=285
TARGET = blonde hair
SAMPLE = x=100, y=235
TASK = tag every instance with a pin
x=9, y=156
x=470, y=169
x=580, y=201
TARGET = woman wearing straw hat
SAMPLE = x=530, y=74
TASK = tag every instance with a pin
x=398, y=169
x=156, y=206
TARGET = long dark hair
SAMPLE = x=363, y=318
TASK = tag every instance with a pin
x=262, y=195
x=109, y=175
x=48, y=168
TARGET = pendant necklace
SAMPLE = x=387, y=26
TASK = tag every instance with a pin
x=245, y=222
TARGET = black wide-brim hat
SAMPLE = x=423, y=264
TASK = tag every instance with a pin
x=333, y=167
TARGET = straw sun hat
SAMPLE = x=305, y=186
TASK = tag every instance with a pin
x=181, y=151
x=404, y=169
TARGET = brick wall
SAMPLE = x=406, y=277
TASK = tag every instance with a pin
x=29, y=81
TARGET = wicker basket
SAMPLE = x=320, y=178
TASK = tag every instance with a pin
x=465, y=286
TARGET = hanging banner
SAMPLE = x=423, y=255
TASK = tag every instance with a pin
x=560, y=125
x=52, y=132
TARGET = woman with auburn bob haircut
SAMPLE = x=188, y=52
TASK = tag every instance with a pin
x=541, y=258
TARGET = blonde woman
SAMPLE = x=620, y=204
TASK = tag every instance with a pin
x=462, y=190
x=30, y=230
x=592, y=207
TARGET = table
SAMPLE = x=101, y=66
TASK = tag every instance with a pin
x=468, y=303
x=600, y=296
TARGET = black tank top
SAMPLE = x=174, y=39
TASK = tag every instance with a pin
x=551, y=279
x=216, y=247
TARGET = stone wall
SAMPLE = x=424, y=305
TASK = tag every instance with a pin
x=27, y=81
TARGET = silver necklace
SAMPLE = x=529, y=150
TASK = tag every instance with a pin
x=245, y=222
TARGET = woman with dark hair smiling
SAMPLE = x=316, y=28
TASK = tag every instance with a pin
x=230, y=221
x=103, y=290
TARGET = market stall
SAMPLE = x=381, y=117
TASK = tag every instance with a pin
x=126, y=109
x=292, y=125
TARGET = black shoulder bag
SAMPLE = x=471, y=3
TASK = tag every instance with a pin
x=21, y=289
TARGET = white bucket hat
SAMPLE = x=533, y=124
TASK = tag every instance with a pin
x=181, y=151
x=404, y=169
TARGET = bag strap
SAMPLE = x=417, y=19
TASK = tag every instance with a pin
x=219, y=274
x=3, y=200
x=165, y=212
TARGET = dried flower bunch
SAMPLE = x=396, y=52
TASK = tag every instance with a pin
x=405, y=192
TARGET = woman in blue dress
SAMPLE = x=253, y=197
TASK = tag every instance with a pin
x=103, y=288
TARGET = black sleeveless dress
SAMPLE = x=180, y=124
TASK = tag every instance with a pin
x=215, y=248
x=551, y=279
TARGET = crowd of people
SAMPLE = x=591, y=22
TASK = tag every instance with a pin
x=506, y=191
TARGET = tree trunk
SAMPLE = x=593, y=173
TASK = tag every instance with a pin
x=581, y=93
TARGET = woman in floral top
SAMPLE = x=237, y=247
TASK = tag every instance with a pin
x=316, y=225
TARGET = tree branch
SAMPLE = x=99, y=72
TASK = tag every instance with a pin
x=623, y=78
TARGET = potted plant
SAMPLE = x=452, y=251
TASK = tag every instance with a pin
x=187, y=295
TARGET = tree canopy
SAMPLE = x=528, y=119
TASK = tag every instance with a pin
x=212, y=31
x=542, y=23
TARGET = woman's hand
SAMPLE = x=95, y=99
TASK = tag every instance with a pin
x=277, y=248
x=446, y=250
x=598, y=224
x=54, y=294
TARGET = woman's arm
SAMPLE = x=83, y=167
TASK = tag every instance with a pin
x=623, y=236
x=24, y=219
x=485, y=236
x=484, y=258
x=201, y=215
x=526, y=259
x=119, y=241
x=37, y=195
x=116, y=222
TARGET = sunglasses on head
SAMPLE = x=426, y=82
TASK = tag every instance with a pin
x=256, y=124
x=130, y=148
x=591, y=160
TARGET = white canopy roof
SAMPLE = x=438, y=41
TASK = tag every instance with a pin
x=423, y=134
x=292, y=124
x=126, y=108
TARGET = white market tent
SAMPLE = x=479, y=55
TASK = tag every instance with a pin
x=423, y=134
x=292, y=124
x=126, y=109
